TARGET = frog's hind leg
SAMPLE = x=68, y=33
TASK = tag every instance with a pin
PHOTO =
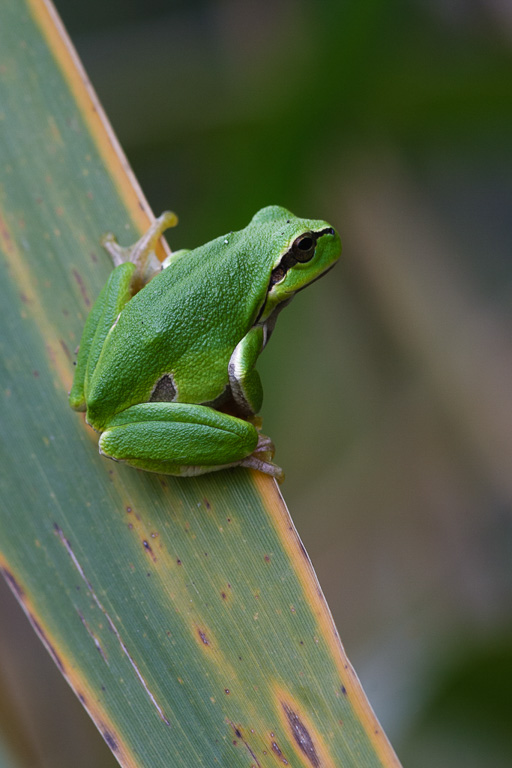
x=180, y=439
x=141, y=253
x=260, y=459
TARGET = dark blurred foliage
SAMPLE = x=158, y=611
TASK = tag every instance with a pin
x=387, y=385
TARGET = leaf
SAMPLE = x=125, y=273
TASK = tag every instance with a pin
x=184, y=613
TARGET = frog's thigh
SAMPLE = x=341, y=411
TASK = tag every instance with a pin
x=177, y=438
x=108, y=305
x=244, y=379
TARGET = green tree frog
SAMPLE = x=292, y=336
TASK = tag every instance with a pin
x=166, y=364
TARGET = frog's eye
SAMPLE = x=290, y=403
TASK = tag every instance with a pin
x=303, y=249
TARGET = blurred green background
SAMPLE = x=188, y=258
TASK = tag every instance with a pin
x=388, y=384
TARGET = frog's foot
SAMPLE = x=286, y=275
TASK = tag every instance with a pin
x=141, y=253
x=267, y=467
x=261, y=459
x=265, y=445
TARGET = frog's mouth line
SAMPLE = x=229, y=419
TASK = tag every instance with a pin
x=293, y=293
x=316, y=278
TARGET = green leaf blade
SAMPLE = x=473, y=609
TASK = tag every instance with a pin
x=184, y=613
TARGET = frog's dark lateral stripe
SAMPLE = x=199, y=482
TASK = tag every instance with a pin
x=289, y=260
x=164, y=390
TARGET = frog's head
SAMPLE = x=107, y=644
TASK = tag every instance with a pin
x=303, y=249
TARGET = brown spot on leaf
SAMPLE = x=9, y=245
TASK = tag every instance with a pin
x=302, y=736
x=276, y=749
x=303, y=550
x=147, y=547
x=238, y=734
x=64, y=346
x=267, y=558
x=13, y=583
x=81, y=285
x=111, y=741
x=203, y=637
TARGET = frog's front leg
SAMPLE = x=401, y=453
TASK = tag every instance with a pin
x=182, y=439
x=244, y=379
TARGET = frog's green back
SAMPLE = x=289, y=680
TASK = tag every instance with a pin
x=188, y=320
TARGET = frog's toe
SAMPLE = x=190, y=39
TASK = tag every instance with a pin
x=265, y=445
x=117, y=253
x=267, y=467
